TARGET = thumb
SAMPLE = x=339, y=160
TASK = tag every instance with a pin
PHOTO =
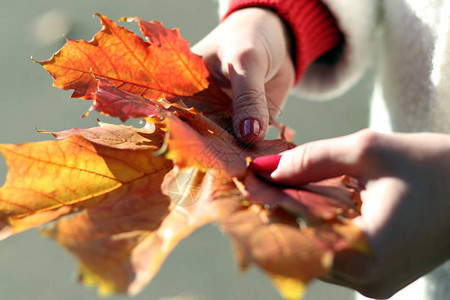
x=250, y=112
x=318, y=160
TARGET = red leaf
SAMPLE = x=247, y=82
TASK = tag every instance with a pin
x=324, y=200
x=115, y=103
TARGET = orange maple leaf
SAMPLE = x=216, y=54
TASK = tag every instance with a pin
x=133, y=193
x=129, y=63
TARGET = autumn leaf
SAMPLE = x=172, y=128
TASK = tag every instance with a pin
x=132, y=194
x=129, y=63
x=50, y=179
x=110, y=101
x=87, y=237
x=291, y=256
x=267, y=231
x=109, y=238
x=121, y=137
x=325, y=200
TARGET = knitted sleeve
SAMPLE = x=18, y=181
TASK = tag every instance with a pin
x=346, y=26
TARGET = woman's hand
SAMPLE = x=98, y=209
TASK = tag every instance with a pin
x=248, y=54
x=406, y=201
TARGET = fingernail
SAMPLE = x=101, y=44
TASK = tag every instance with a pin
x=266, y=164
x=250, y=128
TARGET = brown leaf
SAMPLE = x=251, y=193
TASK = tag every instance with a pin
x=118, y=136
x=109, y=239
x=121, y=243
x=292, y=256
x=200, y=142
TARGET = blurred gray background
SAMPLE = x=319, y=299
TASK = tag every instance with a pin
x=202, y=267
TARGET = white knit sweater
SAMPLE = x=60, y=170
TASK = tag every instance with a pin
x=408, y=42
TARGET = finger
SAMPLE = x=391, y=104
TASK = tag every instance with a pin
x=207, y=49
x=250, y=114
x=243, y=72
x=320, y=160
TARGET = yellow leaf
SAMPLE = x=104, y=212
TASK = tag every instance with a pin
x=53, y=178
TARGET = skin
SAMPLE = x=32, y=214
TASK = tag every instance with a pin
x=405, y=177
x=253, y=63
x=405, y=213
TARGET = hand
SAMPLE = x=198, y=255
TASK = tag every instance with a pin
x=249, y=54
x=406, y=201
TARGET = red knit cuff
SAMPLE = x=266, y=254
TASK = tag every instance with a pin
x=312, y=25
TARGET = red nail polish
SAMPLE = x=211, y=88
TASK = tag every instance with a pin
x=250, y=128
x=266, y=164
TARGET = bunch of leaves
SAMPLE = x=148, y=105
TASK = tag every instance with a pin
x=120, y=198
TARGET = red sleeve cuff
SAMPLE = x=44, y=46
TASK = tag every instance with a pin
x=312, y=25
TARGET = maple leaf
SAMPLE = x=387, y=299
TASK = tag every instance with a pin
x=263, y=221
x=129, y=63
x=110, y=101
x=291, y=256
x=120, y=137
x=50, y=179
x=132, y=194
